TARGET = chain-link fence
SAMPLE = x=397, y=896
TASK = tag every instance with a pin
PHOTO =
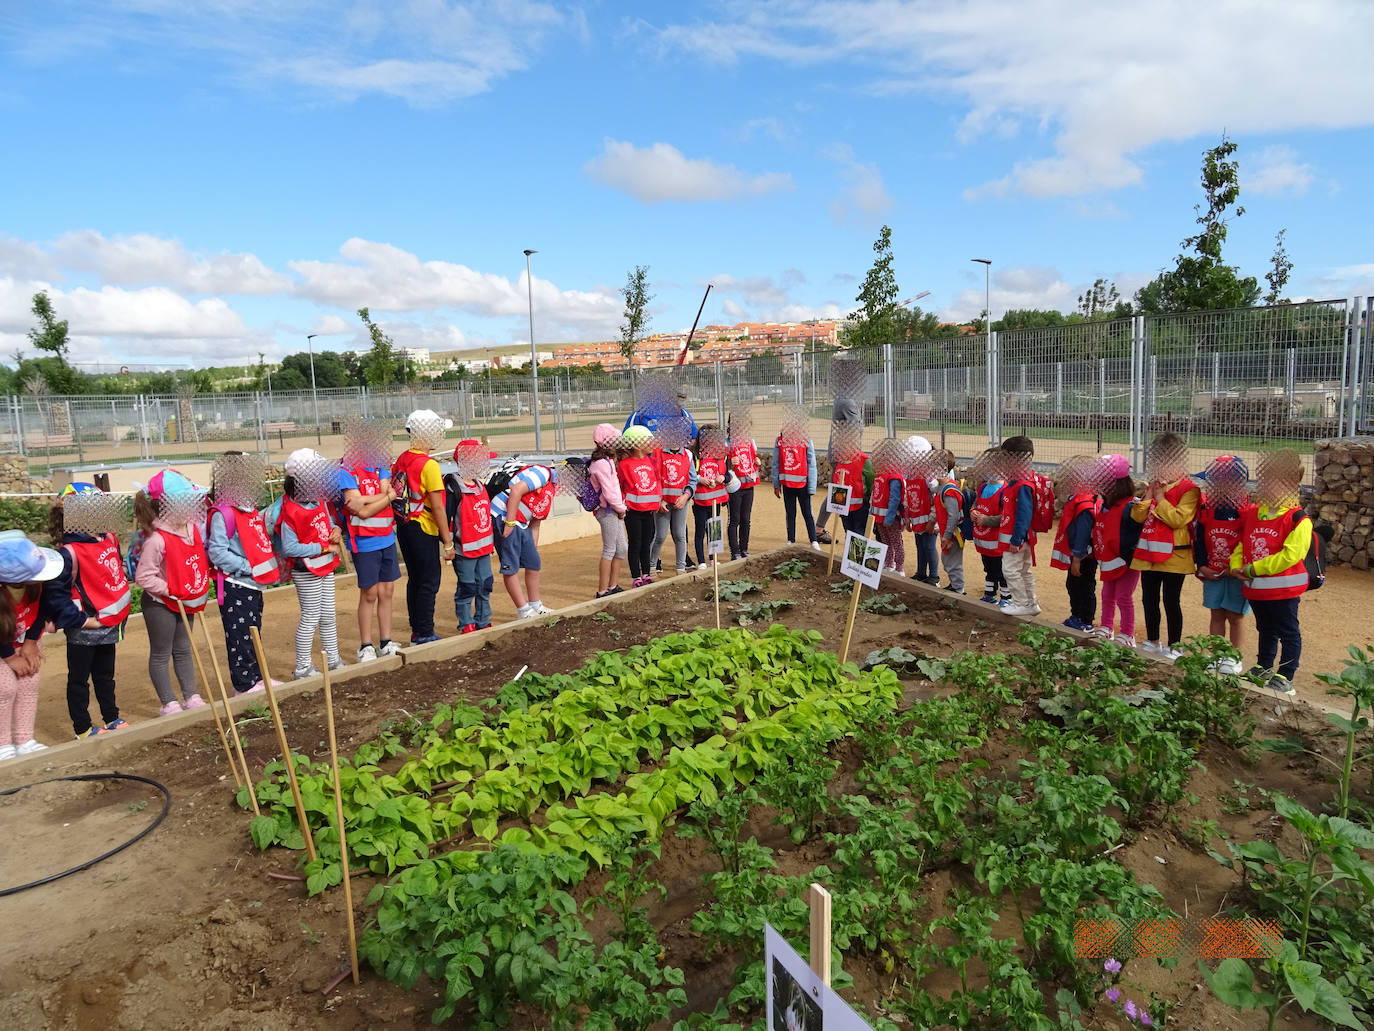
x=1228, y=381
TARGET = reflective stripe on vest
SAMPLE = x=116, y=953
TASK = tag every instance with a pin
x=710, y=469
x=1263, y=538
x=1156, y=536
x=792, y=465
x=380, y=524
x=311, y=526
x=1111, y=565
x=1282, y=581
x=99, y=584
x=675, y=473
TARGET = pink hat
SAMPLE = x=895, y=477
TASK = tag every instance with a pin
x=1117, y=466
x=604, y=435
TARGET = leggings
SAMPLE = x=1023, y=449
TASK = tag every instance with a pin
x=1083, y=590
x=891, y=535
x=1118, y=597
x=674, y=522
x=18, y=706
x=639, y=529
x=741, y=517
x=701, y=515
x=167, y=639
x=315, y=594
x=1152, y=584
x=90, y=663
x=242, y=608
x=793, y=497
x=613, y=543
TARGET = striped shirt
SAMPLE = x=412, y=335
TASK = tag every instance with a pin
x=532, y=476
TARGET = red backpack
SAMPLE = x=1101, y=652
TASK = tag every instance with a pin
x=1042, y=511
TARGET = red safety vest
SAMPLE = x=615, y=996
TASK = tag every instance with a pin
x=379, y=524
x=1085, y=501
x=987, y=539
x=1220, y=536
x=881, y=495
x=746, y=463
x=950, y=491
x=710, y=469
x=792, y=471
x=918, y=513
x=99, y=585
x=1157, y=536
x=1111, y=564
x=1261, y=538
x=257, y=545
x=474, y=521
x=1009, y=496
x=25, y=613
x=187, y=570
x=311, y=525
x=674, y=472
x=412, y=465
x=639, y=483
x=851, y=474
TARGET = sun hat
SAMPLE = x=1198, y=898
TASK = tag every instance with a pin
x=169, y=481
x=464, y=445
x=636, y=435
x=427, y=415
x=300, y=460
x=1228, y=466
x=605, y=435
x=22, y=561
x=73, y=489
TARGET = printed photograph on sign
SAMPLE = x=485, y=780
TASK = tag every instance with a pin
x=715, y=535
x=837, y=501
x=863, y=559
x=793, y=1010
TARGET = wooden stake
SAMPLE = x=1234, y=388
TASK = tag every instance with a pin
x=819, y=901
x=339, y=816
x=229, y=715
x=849, y=626
x=834, y=540
x=285, y=748
x=214, y=706
x=715, y=569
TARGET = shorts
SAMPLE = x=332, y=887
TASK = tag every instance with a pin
x=517, y=551
x=1225, y=594
x=374, y=567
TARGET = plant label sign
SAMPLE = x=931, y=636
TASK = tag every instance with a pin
x=715, y=535
x=797, y=999
x=837, y=499
x=863, y=559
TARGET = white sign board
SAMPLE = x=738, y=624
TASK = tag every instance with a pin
x=837, y=499
x=715, y=535
x=863, y=559
x=797, y=1000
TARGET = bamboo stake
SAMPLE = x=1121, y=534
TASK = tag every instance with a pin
x=849, y=626
x=214, y=706
x=286, y=755
x=229, y=715
x=819, y=901
x=339, y=816
x=834, y=540
x=715, y=569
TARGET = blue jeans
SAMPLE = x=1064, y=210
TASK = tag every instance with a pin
x=1277, y=623
x=927, y=557
x=472, y=599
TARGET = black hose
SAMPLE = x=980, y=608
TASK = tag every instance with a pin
x=166, y=807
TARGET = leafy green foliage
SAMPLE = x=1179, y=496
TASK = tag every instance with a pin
x=796, y=783
x=752, y=612
x=883, y=604
x=734, y=590
x=905, y=664
x=792, y=569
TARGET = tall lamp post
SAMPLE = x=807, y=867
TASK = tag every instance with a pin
x=314, y=396
x=534, y=356
x=994, y=388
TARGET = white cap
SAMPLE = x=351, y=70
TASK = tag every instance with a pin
x=426, y=417
x=301, y=459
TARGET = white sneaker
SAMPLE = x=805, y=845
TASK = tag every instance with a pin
x=1022, y=610
x=701, y=566
x=1150, y=648
x=1229, y=667
x=816, y=545
x=1280, y=684
x=30, y=746
x=1170, y=654
x=301, y=674
x=1105, y=632
x=367, y=653
x=390, y=648
x=525, y=612
x=537, y=608
x=1125, y=640
x=898, y=572
x=6, y=752
x=336, y=663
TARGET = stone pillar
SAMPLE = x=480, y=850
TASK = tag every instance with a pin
x=1343, y=474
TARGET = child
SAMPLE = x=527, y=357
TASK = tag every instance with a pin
x=516, y=513
x=643, y=492
x=674, y=467
x=1219, y=520
x=1164, y=555
x=610, y=516
x=422, y=532
x=244, y=562
x=794, y=480
x=310, y=541
x=1018, y=542
x=712, y=470
x=90, y=599
x=850, y=461
x=886, y=504
x=987, y=526
x=743, y=459
x=366, y=493
x=1270, y=562
x=1073, y=546
x=1115, y=534
x=953, y=523
x=24, y=569
x=920, y=515
x=174, y=572
x=472, y=530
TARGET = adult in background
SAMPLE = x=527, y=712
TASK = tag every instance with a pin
x=515, y=515
x=422, y=524
x=651, y=414
x=845, y=412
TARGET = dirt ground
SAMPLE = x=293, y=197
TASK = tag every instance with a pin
x=1329, y=616
x=190, y=928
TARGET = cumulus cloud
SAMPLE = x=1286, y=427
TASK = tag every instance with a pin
x=864, y=197
x=1102, y=81
x=142, y=258
x=660, y=172
x=1277, y=170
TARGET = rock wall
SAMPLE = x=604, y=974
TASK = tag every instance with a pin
x=15, y=479
x=1343, y=471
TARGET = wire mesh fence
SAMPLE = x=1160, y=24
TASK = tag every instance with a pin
x=1228, y=382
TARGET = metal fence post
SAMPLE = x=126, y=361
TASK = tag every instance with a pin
x=1291, y=379
x=1216, y=375
x=720, y=395
x=1152, y=398
x=1135, y=393
x=989, y=356
x=1058, y=388
x=798, y=383
x=889, y=391
x=944, y=376
x=1102, y=386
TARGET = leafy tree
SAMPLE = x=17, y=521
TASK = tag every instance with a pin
x=1029, y=318
x=636, y=324
x=290, y=379
x=1102, y=301
x=50, y=335
x=329, y=370
x=1201, y=281
x=1279, y=270
x=915, y=324
x=765, y=368
x=874, y=322
x=380, y=364
x=353, y=367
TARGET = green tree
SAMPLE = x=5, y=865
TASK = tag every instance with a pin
x=1201, y=281
x=636, y=324
x=381, y=364
x=1279, y=270
x=50, y=335
x=874, y=322
x=1029, y=318
x=329, y=370
x=1102, y=301
x=766, y=367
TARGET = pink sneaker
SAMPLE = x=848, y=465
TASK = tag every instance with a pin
x=256, y=688
x=169, y=709
x=194, y=702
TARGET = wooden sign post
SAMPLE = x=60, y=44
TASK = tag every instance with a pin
x=339, y=816
x=819, y=901
x=853, y=606
x=286, y=755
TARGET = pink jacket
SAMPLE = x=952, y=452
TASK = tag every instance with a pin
x=603, y=474
x=151, y=573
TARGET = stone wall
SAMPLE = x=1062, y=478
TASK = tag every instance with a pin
x=1343, y=471
x=15, y=479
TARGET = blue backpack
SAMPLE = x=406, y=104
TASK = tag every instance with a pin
x=588, y=494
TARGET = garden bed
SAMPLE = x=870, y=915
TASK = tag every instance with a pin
x=187, y=927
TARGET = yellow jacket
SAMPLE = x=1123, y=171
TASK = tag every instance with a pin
x=1180, y=517
x=1295, y=546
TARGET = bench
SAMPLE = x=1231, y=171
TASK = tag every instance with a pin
x=48, y=441
x=280, y=427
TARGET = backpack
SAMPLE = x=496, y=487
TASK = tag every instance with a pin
x=588, y=494
x=1042, y=504
x=966, y=511
x=132, y=555
x=453, y=496
x=400, y=507
x=498, y=480
x=1317, y=553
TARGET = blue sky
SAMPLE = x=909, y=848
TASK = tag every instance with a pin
x=198, y=182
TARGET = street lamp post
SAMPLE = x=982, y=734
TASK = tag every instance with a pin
x=994, y=387
x=314, y=395
x=534, y=356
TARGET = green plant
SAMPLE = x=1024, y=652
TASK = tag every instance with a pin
x=796, y=785
x=905, y=663
x=602, y=617
x=792, y=569
x=1206, y=697
x=842, y=587
x=883, y=604
x=139, y=806
x=718, y=824
x=313, y=937
x=734, y=590
x=761, y=611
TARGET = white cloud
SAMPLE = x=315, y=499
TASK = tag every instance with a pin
x=1344, y=281
x=1103, y=81
x=864, y=197
x=1277, y=170
x=660, y=172
x=332, y=325
x=113, y=311
x=1029, y=286
x=765, y=299
x=22, y=258
x=756, y=290
x=769, y=127
x=142, y=258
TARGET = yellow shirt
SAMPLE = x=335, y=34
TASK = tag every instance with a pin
x=1294, y=550
x=431, y=479
x=1180, y=519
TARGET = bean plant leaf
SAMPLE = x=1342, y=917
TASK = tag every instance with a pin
x=761, y=611
x=883, y=605
x=734, y=590
x=792, y=569
x=1234, y=984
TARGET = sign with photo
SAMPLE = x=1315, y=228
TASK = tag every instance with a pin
x=863, y=559
x=837, y=499
x=796, y=999
x=715, y=535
